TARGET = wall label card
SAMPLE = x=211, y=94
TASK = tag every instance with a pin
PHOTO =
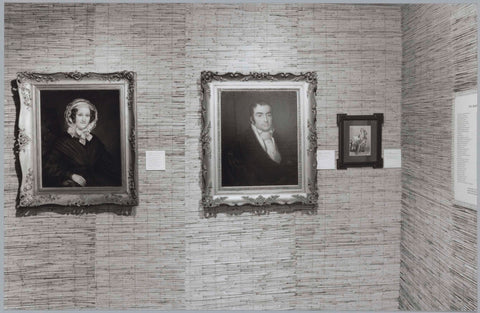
x=155, y=160
x=326, y=160
x=465, y=149
x=392, y=158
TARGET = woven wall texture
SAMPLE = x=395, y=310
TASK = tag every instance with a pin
x=438, y=245
x=167, y=256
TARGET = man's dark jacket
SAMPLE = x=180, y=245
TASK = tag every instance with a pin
x=248, y=164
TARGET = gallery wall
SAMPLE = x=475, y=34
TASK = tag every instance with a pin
x=438, y=240
x=166, y=255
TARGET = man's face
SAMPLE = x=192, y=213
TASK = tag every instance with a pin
x=262, y=117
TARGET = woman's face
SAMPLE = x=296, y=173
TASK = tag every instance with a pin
x=82, y=118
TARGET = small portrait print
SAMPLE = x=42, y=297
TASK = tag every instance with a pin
x=80, y=132
x=259, y=138
x=360, y=140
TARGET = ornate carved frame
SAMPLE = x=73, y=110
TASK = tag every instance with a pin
x=31, y=193
x=214, y=195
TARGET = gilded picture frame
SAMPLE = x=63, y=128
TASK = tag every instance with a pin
x=45, y=100
x=235, y=170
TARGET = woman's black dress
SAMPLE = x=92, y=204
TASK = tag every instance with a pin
x=91, y=161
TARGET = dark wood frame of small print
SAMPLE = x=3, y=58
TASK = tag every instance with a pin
x=375, y=160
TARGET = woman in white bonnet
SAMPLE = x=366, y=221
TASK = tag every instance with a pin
x=79, y=158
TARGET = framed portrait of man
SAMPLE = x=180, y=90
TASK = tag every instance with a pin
x=258, y=139
x=76, y=139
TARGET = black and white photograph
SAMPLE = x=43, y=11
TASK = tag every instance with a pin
x=309, y=156
x=258, y=138
x=359, y=140
x=77, y=139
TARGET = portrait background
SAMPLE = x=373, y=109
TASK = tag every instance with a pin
x=235, y=118
x=52, y=119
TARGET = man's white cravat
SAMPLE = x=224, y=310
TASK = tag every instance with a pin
x=271, y=147
x=268, y=143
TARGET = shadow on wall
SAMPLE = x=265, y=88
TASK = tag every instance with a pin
x=259, y=210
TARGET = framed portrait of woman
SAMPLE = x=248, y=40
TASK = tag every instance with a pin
x=76, y=139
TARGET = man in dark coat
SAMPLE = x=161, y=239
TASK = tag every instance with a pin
x=260, y=158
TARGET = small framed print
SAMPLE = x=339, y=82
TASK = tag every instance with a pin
x=258, y=139
x=76, y=139
x=359, y=140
